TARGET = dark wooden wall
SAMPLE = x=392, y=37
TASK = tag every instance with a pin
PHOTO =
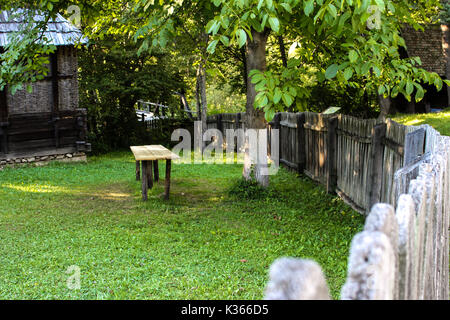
x=48, y=118
x=30, y=133
x=3, y=121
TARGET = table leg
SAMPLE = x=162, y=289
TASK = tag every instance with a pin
x=150, y=174
x=138, y=170
x=144, y=181
x=156, y=170
x=167, y=186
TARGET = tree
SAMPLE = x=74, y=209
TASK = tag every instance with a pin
x=365, y=35
x=354, y=42
x=180, y=26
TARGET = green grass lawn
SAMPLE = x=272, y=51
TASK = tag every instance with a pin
x=202, y=244
x=440, y=121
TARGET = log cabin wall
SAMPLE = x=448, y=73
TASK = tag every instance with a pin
x=40, y=100
x=47, y=119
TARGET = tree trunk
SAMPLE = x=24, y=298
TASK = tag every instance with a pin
x=256, y=59
x=197, y=94
x=202, y=104
x=244, y=70
x=282, y=51
x=385, y=107
x=203, y=96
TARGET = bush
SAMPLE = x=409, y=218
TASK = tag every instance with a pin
x=249, y=190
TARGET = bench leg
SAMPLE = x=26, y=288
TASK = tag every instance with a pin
x=138, y=170
x=150, y=174
x=156, y=170
x=167, y=185
x=144, y=181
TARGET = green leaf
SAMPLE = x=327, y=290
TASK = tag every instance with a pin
x=348, y=73
x=277, y=96
x=241, y=37
x=332, y=10
x=353, y=56
x=376, y=70
x=274, y=24
x=269, y=115
x=287, y=99
x=260, y=3
x=212, y=46
x=438, y=83
x=331, y=71
x=286, y=7
x=419, y=94
x=309, y=7
x=409, y=87
x=257, y=78
x=225, y=40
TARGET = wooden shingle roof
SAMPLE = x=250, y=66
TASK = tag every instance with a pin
x=60, y=32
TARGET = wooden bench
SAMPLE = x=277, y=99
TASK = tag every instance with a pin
x=147, y=157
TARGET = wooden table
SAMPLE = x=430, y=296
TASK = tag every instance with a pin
x=149, y=157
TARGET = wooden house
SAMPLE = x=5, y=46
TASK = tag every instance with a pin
x=47, y=123
x=431, y=45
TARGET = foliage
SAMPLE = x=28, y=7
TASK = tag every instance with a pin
x=25, y=57
x=224, y=99
x=439, y=121
x=113, y=77
x=445, y=13
x=201, y=244
x=364, y=50
x=332, y=43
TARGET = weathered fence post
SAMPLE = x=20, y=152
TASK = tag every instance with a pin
x=382, y=219
x=296, y=279
x=374, y=182
x=237, y=121
x=371, y=268
x=331, y=155
x=277, y=126
x=220, y=123
x=414, y=146
x=301, y=118
x=406, y=219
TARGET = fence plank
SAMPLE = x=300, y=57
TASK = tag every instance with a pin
x=414, y=145
x=382, y=219
x=406, y=218
x=374, y=182
x=331, y=155
x=301, y=143
x=419, y=194
x=371, y=268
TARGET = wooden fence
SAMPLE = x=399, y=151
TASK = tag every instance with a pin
x=399, y=174
x=353, y=157
x=401, y=254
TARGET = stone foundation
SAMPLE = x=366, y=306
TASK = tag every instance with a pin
x=43, y=160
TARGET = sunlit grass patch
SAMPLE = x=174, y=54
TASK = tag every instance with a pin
x=440, y=121
x=201, y=244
